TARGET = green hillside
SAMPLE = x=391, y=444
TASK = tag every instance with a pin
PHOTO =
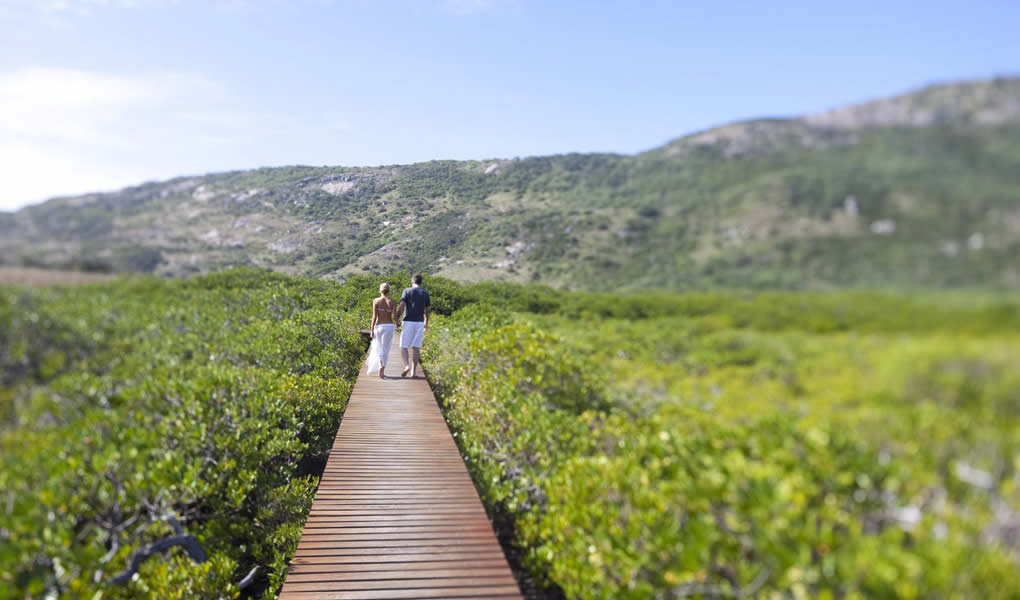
x=918, y=190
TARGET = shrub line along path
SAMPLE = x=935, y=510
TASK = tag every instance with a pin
x=396, y=514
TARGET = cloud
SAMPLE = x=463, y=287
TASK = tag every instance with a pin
x=476, y=7
x=232, y=6
x=82, y=107
x=67, y=131
x=82, y=7
x=65, y=14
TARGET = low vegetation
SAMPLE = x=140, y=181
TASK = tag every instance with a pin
x=799, y=445
x=131, y=408
x=667, y=445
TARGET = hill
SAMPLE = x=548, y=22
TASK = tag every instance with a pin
x=918, y=190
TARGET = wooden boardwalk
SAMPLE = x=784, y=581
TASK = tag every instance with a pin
x=396, y=514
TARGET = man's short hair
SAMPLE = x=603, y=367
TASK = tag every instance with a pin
x=416, y=279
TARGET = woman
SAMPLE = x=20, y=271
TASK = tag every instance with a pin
x=382, y=330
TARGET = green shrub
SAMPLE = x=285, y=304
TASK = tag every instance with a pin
x=145, y=400
x=765, y=445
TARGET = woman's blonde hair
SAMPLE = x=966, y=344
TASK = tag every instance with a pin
x=384, y=288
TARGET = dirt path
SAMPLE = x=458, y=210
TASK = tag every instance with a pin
x=32, y=277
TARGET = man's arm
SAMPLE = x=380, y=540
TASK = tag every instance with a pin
x=428, y=312
x=397, y=314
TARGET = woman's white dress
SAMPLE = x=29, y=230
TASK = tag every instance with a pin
x=380, y=347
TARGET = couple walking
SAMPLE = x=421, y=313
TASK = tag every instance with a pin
x=415, y=306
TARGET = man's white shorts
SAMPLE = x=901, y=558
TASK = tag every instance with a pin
x=411, y=334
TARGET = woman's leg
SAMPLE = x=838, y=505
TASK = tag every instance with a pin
x=385, y=340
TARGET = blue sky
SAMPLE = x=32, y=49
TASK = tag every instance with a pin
x=99, y=94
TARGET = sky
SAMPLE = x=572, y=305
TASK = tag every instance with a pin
x=96, y=95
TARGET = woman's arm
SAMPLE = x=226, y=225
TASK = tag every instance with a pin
x=375, y=318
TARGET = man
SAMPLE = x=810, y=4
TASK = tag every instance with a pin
x=418, y=305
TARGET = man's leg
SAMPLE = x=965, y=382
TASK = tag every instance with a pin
x=404, y=343
x=416, y=354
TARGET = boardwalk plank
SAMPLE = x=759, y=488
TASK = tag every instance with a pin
x=414, y=583
x=398, y=567
x=481, y=593
x=396, y=515
x=408, y=541
x=410, y=574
